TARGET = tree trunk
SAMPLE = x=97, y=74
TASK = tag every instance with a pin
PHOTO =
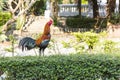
x=55, y=9
x=6, y=26
x=95, y=9
x=110, y=8
x=119, y=6
x=79, y=7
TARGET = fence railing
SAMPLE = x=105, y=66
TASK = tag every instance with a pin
x=86, y=10
x=68, y=10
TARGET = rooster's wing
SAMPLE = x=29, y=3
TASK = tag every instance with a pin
x=27, y=43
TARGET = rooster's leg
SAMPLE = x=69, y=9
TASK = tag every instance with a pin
x=42, y=52
x=39, y=52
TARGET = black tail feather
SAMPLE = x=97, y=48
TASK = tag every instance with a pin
x=27, y=43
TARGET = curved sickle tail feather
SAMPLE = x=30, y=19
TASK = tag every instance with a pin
x=27, y=43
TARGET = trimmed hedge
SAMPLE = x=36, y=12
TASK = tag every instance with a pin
x=84, y=22
x=59, y=67
x=80, y=22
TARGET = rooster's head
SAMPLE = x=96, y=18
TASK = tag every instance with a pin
x=47, y=27
x=50, y=22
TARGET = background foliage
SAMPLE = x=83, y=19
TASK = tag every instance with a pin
x=88, y=37
x=39, y=7
x=4, y=16
x=84, y=22
x=80, y=22
x=115, y=18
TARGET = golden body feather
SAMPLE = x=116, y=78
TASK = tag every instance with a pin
x=45, y=35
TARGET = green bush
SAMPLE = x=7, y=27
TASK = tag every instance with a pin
x=80, y=22
x=90, y=38
x=4, y=17
x=55, y=21
x=84, y=22
x=39, y=7
x=109, y=46
x=59, y=67
x=115, y=19
x=3, y=37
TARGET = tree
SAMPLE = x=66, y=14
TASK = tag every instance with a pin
x=110, y=8
x=55, y=11
x=38, y=8
x=119, y=6
x=95, y=9
x=17, y=8
x=79, y=7
x=55, y=8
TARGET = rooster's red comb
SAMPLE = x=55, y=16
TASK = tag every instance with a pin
x=50, y=22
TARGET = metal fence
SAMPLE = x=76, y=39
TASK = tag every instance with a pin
x=86, y=10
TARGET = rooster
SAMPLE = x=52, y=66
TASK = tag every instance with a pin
x=27, y=43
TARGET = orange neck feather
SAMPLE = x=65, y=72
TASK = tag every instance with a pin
x=45, y=33
x=46, y=29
